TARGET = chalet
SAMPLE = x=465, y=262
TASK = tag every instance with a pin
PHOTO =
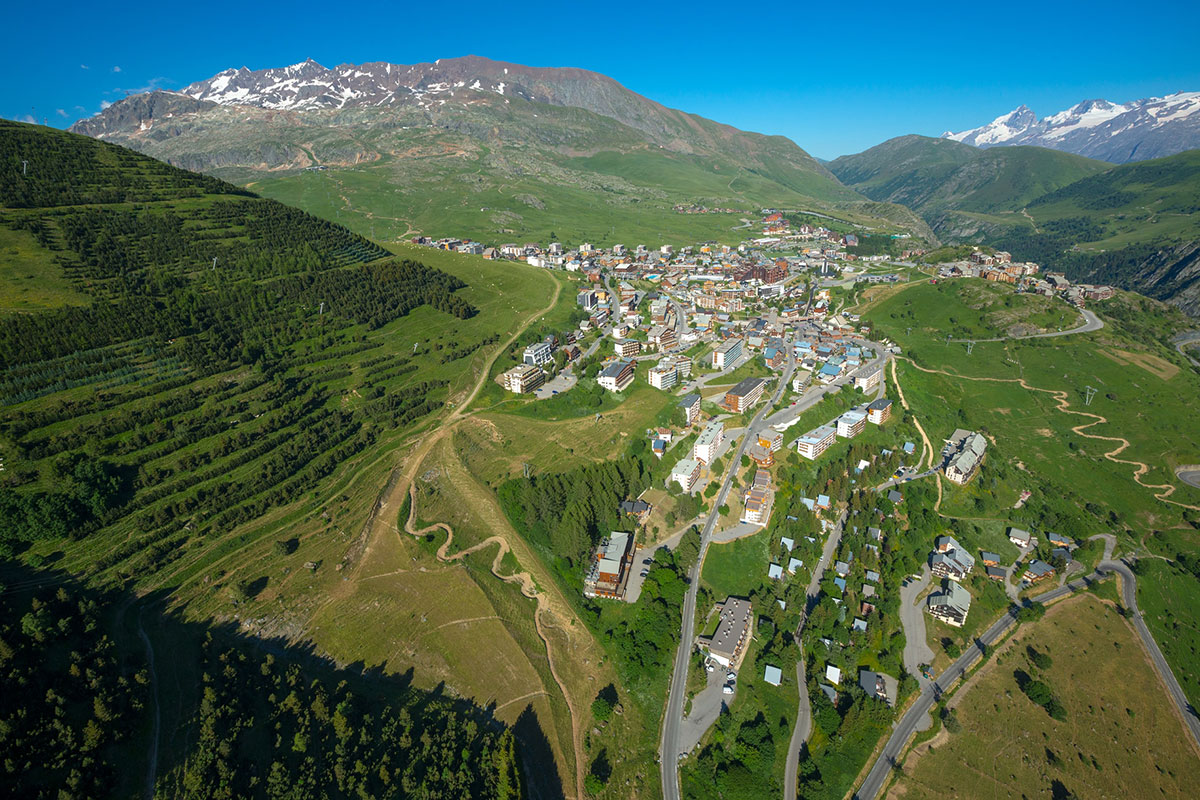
x=950, y=560
x=989, y=559
x=1019, y=537
x=951, y=605
x=627, y=348
x=996, y=573
x=1058, y=540
x=1037, y=571
x=617, y=376
x=879, y=686
x=638, y=509
x=964, y=453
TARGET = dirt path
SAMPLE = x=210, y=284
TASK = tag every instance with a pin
x=925, y=443
x=530, y=590
x=1025, y=213
x=1164, y=490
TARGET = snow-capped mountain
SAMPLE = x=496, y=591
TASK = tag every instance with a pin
x=309, y=85
x=1116, y=132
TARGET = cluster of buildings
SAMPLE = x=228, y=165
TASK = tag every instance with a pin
x=530, y=374
x=850, y=424
x=1000, y=267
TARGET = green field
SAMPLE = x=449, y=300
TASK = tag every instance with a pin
x=1002, y=740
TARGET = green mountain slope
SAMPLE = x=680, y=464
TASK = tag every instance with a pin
x=573, y=153
x=939, y=177
x=220, y=436
x=1136, y=226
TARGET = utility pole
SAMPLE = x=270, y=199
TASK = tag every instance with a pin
x=321, y=310
x=525, y=469
x=970, y=345
x=949, y=336
x=214, y=266
x=1089, y=393
x=24, y=169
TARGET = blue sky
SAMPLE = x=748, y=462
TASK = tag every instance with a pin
x=836, y=78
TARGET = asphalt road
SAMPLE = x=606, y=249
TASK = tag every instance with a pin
x=1091, y=323
x=669, y=745
x=908, y=724
x=912, y=618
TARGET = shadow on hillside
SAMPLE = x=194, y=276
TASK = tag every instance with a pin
x=181, y=648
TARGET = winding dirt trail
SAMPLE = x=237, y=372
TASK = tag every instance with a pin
x=1162, y=491
x=530, y=590
x=928, y=451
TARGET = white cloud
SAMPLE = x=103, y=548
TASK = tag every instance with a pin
x=27, y=118
x=84, y=66
x=62, y=112
x=104, y=104
x=116, y=69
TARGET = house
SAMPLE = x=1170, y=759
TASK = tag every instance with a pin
x=859, y=624
x=895, y=497
x=793, y=565
x=727, y=354
x=627, y=348
x=744, y=395
x=989, y=559
x=1037, y=571
x=1019, y=537
x=762, y=456
x=774, y=571
x=1058, y=540
x=851, y=424
x=964, y=453
x=732, y=633
x=537, y=354
x=773, y=675
x=617, y=376
x=686, y=473
x=950, y=560
x=951, y=605
x=638, y=509
x=812, y=444
x=1060, y=553
x=523, y=378
x=691, y=407
x=786, y=543
x=709, y=442
x=879, y=411
x=822, y=503
x=996, y=573
x=841, y=568
x=833, y=674
x=878, y=685
x=610, y=567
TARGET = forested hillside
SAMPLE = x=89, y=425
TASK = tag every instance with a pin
x=198, y=379
x=81, y=694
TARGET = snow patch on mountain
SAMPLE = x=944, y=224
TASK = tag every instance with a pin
x=1117, y=132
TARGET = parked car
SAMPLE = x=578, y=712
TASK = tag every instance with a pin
x=643, y=573
x=727, y=689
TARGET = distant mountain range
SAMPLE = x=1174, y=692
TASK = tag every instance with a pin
x=471, y=146
x=1134, y=225
x=1114, y=132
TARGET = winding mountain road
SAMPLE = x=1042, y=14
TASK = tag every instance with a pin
x=908, y=724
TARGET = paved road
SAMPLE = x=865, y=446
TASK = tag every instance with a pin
x=803, y=727
x=787, y=416
x=1189, y=475
x=907, y=726
x=1183, y=340
x=670, y=750
x=706, y=708
x=1090, y=323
